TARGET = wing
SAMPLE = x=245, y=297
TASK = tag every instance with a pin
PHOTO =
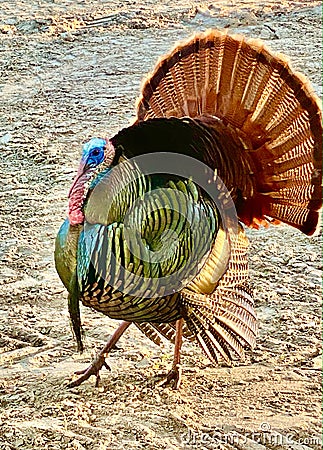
x=132, y=269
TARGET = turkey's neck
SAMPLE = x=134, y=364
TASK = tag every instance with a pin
x=78, y=191
x=76, y=197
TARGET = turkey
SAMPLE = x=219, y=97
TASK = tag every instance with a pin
x=227, y=135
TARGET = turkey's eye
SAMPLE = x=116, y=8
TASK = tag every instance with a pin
x=95, y=152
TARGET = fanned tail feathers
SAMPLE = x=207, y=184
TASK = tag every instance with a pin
x=256, y=93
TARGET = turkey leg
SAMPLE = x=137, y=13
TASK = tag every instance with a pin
x=99, y=361
x=174, y=376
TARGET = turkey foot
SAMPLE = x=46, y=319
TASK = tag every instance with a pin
x=174, y=376
x=99, y=361
x=93, y=369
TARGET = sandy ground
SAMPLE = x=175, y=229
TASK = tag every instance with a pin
x=71, y=70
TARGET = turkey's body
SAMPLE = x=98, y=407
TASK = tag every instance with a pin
x=152, y=244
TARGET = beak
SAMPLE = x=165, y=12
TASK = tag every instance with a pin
x=82, y=170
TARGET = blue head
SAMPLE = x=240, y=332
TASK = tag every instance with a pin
x=93, y=152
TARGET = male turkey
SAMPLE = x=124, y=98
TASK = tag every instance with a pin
x=151, y=237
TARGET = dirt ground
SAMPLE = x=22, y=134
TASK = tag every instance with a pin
x=71, y=70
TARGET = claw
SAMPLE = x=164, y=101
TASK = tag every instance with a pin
x=173, y=378
x=93, y=369
x=99, y=362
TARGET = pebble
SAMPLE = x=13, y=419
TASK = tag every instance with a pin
x=317, y=11
x=317, y=362
x=5, y=138
x=67, y=36
x=282, y=290
x=315, y=273
x=27, y=26
x=11, y=21
x=143, y=363
x=292, y=261
x=299, y=265
x=277, y=260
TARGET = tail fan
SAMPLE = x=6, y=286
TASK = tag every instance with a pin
x=269, y=106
